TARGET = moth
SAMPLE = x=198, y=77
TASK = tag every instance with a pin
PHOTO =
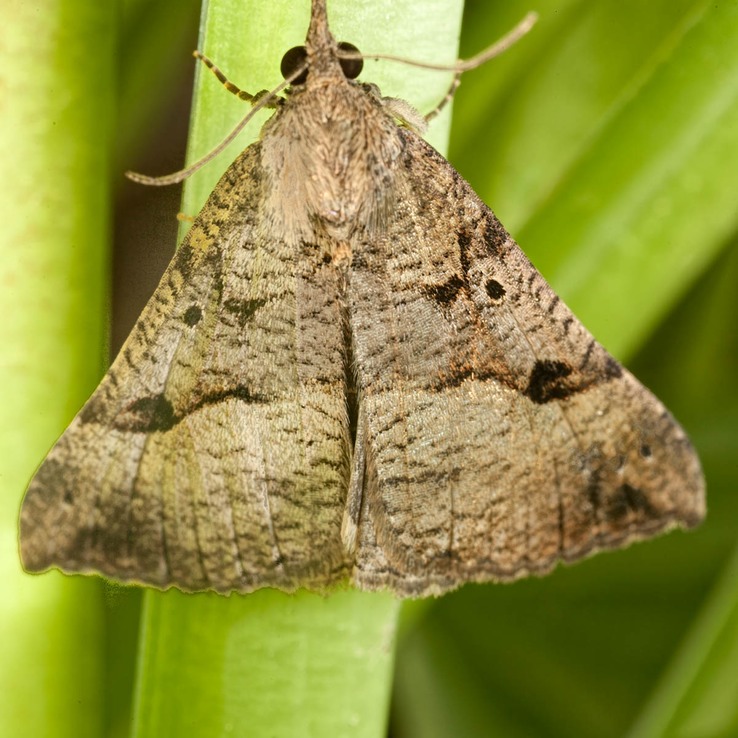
x=351, y=372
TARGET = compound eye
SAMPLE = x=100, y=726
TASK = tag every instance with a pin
x=351, y=67
x=293, y=59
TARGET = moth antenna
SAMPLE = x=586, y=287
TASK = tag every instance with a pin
x=264, y=100
x=260, y=101
x=234, y=89
x=462, y=65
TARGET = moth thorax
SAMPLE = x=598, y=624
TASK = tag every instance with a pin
x=333, y=170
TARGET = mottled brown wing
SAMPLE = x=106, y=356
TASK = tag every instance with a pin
x=213, y=455
x=497, y=437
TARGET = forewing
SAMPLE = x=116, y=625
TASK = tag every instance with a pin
x=499, y=437
x=213, y=454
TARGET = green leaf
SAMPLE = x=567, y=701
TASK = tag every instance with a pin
x=698, y=694
x=695, y=357
x=55, y=132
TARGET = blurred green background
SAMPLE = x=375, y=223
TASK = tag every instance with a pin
x=607, y=143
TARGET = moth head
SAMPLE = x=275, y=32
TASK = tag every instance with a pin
x=296, y=62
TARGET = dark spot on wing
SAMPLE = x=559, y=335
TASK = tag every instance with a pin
x=645, y=451
x=192, y=315
x=447, y=292
x=625, y=499
x=494, y=289
x=147, y=414
x=548, y=381
x=243, y=310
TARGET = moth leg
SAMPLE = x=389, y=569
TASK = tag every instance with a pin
x=350, y=525
x=237, y=91
x=446, y=98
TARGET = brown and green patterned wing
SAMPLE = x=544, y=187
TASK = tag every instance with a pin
x=213, y=455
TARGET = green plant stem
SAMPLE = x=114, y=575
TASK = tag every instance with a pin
x=269, y=663
x=56, y=115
